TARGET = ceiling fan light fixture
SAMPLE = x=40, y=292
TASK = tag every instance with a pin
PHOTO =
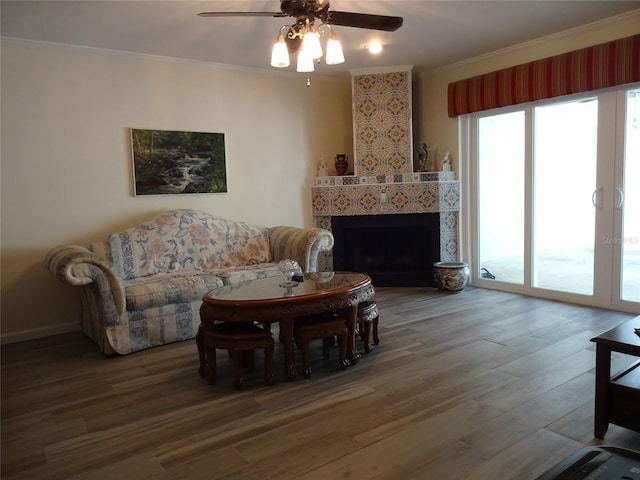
x=312, y=19
x=280, y=54
x=305, y=62
x=334, y=50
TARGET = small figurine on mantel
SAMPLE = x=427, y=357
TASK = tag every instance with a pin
x=423, y=158
x=322, y=168
x=446, y=162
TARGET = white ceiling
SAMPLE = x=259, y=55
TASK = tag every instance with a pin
x=435, y=33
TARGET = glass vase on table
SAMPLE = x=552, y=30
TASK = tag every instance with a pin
x=289, y=269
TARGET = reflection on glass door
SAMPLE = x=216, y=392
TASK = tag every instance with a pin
x=628, y=201
x=564, y=182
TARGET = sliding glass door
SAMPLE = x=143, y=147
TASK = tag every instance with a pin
x=627, y=202
x=554, y=198
x=564, y=181
x=501, y=177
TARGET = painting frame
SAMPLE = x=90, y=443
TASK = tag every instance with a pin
x=177, y=162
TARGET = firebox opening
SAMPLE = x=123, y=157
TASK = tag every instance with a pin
x=395, y=250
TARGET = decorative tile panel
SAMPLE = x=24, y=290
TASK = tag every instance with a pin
x=428, y=198
x=449, y=196
x=448, y=236
x=367, y=200
x=342, y=202
x=433, y=177
x=375, y=199
x=382, y=123
x=398, y=200
x=320, y=201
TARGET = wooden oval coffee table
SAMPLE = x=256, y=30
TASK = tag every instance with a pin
x=268, y=300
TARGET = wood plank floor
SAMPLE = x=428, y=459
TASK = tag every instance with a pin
x=478, y=384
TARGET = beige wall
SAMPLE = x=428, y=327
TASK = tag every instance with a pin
x=66, y=163
x=441, y=132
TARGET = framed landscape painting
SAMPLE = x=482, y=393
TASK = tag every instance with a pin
x=176, y=162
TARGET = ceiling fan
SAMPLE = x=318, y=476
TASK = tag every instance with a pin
x=309, y=10
x=303, y=35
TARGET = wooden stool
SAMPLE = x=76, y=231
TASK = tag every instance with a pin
x=368, y=316
x=324, y=326
x=241, y=340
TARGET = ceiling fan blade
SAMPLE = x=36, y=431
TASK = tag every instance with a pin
x=242, y=14
x=364, y=20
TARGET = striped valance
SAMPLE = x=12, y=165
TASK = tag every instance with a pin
x=606, y=65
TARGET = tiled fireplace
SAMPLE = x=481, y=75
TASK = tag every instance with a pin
x=384, y=184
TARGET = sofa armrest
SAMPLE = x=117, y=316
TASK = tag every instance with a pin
x=300, y=244
x=70, y=264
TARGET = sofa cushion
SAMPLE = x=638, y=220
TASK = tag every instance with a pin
x=164, y=289
x=186, y=240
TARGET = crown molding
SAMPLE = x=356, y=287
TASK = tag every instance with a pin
x=633, y=17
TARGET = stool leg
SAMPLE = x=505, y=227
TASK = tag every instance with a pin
x=361, y=327
x=306, y=358
x=236, y=363
x=326, y=354
x=342, y=339
x=376, y=340
x=367, y=336
x=201, y=354
x=211, y=365
x=268, y=364
x=248, y=359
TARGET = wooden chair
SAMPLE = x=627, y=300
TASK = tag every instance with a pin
x=241, y=340
x=324, y=326
x=367, y=318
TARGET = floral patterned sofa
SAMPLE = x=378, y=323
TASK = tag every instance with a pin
x=143, y=286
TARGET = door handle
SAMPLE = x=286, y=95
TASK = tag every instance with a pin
x=619, y=198
x=596, y=198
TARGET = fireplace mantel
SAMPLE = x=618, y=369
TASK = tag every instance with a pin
x=385, y=194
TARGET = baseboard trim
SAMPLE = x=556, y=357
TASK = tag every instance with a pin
x=35, y=333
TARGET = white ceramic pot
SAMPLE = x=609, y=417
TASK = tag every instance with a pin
x=451, y=276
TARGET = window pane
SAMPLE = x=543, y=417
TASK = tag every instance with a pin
x=630, y=290
x=565, y=157
x=501, y=197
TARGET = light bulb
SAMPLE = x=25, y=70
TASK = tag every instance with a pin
x=279, y=54
x=311, y=43
x=374, y=47
x=305, y=62
x=334, y=51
